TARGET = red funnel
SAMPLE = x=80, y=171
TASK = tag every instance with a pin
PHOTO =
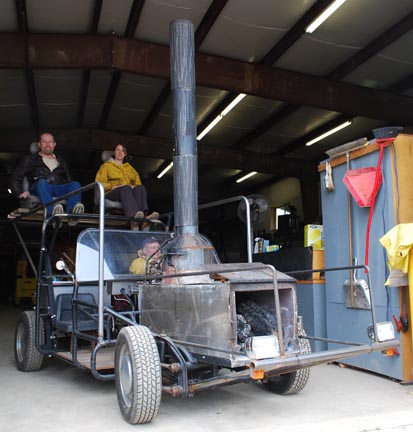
x=360, y=183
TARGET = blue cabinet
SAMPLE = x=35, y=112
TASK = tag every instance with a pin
x=393, y=205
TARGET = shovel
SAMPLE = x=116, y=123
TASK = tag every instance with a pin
x=356, y=291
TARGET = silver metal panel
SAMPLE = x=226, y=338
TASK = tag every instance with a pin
x=388, y=67
x=96, y=95
x=114, y=16
x=8, y=17
x=343, y=35
x=248, y=276
x=14, y=103
x=133, y=100
x=261, y=25
x=49, y=16
x=57, y=94
x=162, y=125
x=206, y=314
x=193, y=313
x=163, y=12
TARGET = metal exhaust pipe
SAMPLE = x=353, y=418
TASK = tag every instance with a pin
x=184, y=127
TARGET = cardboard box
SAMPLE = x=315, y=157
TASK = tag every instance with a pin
x=318, y=263
x=314, y=236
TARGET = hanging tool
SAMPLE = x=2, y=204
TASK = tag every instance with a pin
x=397, y=323
x=328, y=178
x=404, y=320
x=384, y=136
x=348, y=285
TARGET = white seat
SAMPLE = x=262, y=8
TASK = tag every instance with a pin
x=109, y=204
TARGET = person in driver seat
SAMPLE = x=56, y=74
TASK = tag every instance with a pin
x=150, y=245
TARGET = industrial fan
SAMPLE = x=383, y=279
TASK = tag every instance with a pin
x=258, y=208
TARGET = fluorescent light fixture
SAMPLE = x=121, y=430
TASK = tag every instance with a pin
x=246, y=176
x=9, y=191
x=214, y=122
x=324, y=15
x=235, y=102
x=165, y=170
x=330, y=132
x=220, y=116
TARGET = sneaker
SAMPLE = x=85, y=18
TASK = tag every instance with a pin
x=57, y=209
x=139, y=215
x=78, y=209
x=153, y=216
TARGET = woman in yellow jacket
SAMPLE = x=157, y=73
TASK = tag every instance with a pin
x=122, y=183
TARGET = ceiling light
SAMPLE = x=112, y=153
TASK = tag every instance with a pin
x=165, y=170
x=324, y=15
x=235, y=102
x=214, y=122
x=220, y=116
x=330, y=132
x=246, y=176
x=9, y=191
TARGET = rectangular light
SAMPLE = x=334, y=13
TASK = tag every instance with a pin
x=214, y=122
x=246, y=176
x=220, y=116
x=164, y=171
x=262, y=347
x=328, y=133
x=324, y=15
x=235, y=102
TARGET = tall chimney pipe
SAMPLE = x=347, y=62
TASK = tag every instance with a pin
x=184, y=127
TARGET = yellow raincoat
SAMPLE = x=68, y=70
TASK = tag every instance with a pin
x=111, y=174
x=398, y=243
x=138, y=265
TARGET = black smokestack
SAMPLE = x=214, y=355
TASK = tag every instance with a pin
x=184, y=127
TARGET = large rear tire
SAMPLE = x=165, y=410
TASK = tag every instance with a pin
x=138, y=374
x=27, y=356
x=293, y=382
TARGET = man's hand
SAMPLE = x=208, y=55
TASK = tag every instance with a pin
x=24, y=195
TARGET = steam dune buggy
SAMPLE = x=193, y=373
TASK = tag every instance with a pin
x=188, y=324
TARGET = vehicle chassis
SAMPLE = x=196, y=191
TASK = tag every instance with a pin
x=185, y=325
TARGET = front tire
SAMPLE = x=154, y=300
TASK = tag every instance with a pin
x=28, y=358
x=292, y=382
x=138, y=375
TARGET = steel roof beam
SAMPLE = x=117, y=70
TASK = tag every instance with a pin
x=102, y=52
x=158, y=148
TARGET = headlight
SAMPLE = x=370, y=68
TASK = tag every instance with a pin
x=262, y=347
x=385, y=331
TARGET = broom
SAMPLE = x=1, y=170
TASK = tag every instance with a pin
x=384, y=136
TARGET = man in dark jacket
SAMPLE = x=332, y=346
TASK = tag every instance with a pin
x=48, y=177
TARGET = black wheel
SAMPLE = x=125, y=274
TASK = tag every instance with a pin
x=293, y=382
x=28, y=358
x=138, y=374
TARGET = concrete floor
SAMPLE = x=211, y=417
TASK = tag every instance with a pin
x=63, y=398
